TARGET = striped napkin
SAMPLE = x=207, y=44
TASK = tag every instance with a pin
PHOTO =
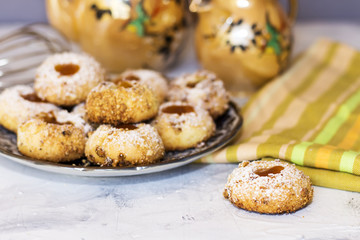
x=310, y=116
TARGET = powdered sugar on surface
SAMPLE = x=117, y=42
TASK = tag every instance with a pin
x=201, y=88
x=154, y=80
x=80, y=111
x=103, y=86
x=138, y=137
x=14, y=104
x=144, y=138
x=89, y=73
x=198, y=118
x=244, y=182
x=76, y=119
x=13, y=97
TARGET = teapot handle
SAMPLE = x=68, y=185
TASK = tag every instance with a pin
x=293, y=10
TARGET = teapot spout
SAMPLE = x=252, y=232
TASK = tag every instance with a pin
x=199, y=6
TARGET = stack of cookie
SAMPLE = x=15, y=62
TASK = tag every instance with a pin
x=131, y=119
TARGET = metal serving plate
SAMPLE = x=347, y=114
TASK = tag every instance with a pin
x=226, y=128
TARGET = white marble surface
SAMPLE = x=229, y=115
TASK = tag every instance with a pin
x=184, y=203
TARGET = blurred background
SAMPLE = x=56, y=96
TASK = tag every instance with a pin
x=309, y=10
x=333, y=19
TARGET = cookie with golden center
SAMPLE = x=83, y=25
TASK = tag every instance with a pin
x=125, y=145
x=272, y=187
x=153, y=79
x=202, y=88
x=123, y=102
x=182, y=125
x=19, y=104
x=54, y=137
x=67, y=78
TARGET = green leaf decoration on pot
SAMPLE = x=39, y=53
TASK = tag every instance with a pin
x=138, y=23
x=273, y=42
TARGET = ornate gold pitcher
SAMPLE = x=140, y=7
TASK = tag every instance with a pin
x=123, y=33
x=245, y=42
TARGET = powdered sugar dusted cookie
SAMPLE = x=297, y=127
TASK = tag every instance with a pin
x=124, y=145
x=54, y=137
x=154, y=80
x=20, y=103
x=182, y=125
x=203, y=89
x=123, y=102
x=268, y=187
x=67, y=78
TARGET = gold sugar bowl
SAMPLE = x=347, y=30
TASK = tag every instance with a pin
x=123, y=34
x=245, y=42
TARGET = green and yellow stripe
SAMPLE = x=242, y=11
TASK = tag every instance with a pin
x=310, y=115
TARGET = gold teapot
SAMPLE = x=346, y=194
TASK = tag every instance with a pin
x=123, y=33
x=245, y=42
